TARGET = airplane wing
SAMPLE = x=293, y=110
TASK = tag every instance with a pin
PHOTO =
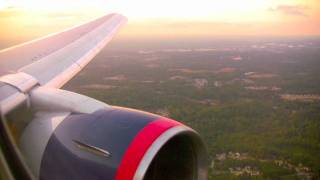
x=49, y=133
x=55, y=59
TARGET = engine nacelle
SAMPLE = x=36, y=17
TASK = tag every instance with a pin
x=115, y=143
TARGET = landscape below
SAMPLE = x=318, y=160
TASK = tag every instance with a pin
x=256, y=103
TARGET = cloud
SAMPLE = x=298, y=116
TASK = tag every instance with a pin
x=294, y=10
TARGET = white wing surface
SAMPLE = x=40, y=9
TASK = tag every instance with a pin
x=53, y=60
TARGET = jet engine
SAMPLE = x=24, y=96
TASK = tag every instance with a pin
x=109, y=143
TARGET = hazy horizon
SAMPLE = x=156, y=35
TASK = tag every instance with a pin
x=165, y=20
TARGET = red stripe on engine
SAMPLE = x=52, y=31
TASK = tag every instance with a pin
x=140, y=145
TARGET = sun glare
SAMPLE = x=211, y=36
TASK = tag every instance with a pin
x=3, y=4
x=221, y=10
x=200, y=10
x=207, y=16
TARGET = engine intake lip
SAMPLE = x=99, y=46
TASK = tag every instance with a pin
x=199, y=152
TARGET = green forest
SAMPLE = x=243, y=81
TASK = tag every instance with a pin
x=257, y=110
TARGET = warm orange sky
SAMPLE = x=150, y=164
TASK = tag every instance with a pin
x=166, y=18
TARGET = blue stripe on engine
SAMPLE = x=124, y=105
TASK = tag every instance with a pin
x=111, y=130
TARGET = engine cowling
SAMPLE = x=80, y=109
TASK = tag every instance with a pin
x=119, y=143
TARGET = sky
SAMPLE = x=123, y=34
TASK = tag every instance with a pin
x=169, y=19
